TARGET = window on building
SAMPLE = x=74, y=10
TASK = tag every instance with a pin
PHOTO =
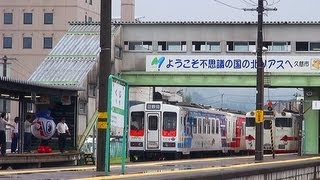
x=7, y=18
x=277, y=46
x=314, y=46
x=48, y=18
x=82, y=107
x=7, y=42
x=117, y=52
x=89, y=19
x=47, y=43
x=307, y=46
x=241, y=46
x=205, y=46
x=172, y=46
x=27, y=18
x=92, y=90
x=302, y=46
x=27, y=42
x=85, y=18
x=90, y=2
x=138, y=45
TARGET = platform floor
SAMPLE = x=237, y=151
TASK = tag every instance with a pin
x=159, y=169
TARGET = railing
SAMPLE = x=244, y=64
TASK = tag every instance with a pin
x=85, y=134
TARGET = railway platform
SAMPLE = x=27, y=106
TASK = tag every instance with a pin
x=284, y=166
x=38, y=160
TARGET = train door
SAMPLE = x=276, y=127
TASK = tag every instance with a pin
x=153, y=131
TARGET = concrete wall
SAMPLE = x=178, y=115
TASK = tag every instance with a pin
x=135, y=61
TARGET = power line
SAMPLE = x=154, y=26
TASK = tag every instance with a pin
x=228, y=5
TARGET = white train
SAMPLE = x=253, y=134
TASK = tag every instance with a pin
x=282, y=127
x=160, y=130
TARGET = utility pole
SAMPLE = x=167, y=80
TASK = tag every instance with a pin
x=104, y=72
x=4, y=74
x=260, y=84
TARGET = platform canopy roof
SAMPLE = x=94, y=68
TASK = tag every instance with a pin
x=73, y=57
x=15, y=88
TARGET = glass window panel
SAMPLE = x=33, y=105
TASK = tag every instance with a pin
x=137, y=121
x=217, y=126
x=198, y=46
x=204, y=126
x=169, y=121
x=241, y=46
x=315, y=46
x=283, y=122
x=47, y=43
x=27, y=18
x=27, y=42
x=162, y=46
x=302, y=46
x=279, y=46
x=250, y=122
x=153, y=123
x=7, y=42
x=267, y=124
x=48, y=18
x=7, y=18
x=213, y=46
x=194, y=126
x=213, y=122
x=174, y=46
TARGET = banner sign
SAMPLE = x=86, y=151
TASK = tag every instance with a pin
x=216, y=63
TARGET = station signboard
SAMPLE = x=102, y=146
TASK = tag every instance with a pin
x=224, y=63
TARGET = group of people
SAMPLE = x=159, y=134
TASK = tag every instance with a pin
x=62, y=130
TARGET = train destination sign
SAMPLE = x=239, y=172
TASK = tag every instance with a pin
x=216, y=63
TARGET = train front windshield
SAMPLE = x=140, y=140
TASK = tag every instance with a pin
x=250, y=122
x=169, y=124
x=137, y=124
x=283, y=122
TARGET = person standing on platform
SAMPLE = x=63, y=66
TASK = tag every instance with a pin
x=3, y=124
x=15, y=135
x=27, y=133
x=62, y=130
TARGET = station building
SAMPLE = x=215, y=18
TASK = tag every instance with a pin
x=135, y=43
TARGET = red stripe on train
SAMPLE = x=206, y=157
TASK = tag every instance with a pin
x=137, y=132
x=169, y=133
x=288, y=138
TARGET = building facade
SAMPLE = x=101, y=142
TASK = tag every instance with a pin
x=31, y=28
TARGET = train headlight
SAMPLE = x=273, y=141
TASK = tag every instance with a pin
x=169, y=144
x=136, y=144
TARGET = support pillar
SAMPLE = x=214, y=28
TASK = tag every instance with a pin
x=311, y=122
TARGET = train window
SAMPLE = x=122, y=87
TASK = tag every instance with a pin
x=267, y=124
x=283, y=122
x=153, y=123
x=194, y=126
x=213, y=122
x=209, y=126
x=137, y=121
x=169, y=121
x=250, y=122
x=217, y=126
x=204, y=126
x=199, y=125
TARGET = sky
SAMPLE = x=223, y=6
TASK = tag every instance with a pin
x=211, y=10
